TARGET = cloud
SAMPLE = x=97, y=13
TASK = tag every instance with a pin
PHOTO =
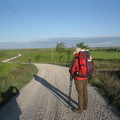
x=69, y=41
x=63, y=34
x=41, y=39
x=102, y=44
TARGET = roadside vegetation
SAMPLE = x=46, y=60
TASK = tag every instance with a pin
x=106, y=77
x=12, y=78
x=108, y=84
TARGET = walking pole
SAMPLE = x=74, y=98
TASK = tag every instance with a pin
x=70, y=89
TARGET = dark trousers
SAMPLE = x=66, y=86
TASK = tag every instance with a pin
x=81, y=86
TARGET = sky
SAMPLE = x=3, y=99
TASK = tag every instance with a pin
x=43, y=23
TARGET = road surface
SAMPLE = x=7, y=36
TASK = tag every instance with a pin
x=46, y=98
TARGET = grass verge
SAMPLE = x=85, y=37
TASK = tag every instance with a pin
x=108, y=83
x=12, y=78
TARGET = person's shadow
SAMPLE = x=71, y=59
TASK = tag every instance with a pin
x=6, y=96
x=64, y=98
x=9, y=101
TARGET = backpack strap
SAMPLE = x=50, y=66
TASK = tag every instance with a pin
x=79, y=60
x=72, y=64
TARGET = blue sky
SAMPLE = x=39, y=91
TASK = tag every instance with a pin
x=95, y=22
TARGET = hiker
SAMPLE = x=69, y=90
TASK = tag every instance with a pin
x=30, y=59
x=80, y=81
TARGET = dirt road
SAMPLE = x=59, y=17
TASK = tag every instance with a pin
x=46, y=98
x=12, y=58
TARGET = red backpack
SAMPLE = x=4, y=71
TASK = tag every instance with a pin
x=85, y=63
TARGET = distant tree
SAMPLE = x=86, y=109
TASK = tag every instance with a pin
x=82, y=45
x=113, y=49
x=60, y=48
x=69, y=52
x=98, y=48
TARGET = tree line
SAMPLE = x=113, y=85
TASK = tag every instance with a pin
x=61, y=48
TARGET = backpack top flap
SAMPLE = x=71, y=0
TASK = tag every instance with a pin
x=84, y=55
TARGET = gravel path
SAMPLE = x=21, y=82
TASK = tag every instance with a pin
x=8, y=60
x=46, y=98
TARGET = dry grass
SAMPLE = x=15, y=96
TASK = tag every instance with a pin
x=109, y=86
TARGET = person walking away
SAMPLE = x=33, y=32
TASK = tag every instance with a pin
x=30, y=59
x=78, y=67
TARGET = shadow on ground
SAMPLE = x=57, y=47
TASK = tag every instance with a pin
x=9, y=108
x=64, y=98
x=7, y=95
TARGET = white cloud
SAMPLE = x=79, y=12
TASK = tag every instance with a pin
x=102, y=44
x=69, y=41
x=41, y=39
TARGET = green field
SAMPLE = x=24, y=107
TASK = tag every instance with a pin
x=49, y=56
x=102, y=59
x=105, y=55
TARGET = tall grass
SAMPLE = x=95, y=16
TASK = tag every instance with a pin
x=108, y=84
x=13, y=78
x=107, y=64
x=5, y=68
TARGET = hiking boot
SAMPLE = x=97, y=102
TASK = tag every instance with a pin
x=79, y=111
x=84, y=108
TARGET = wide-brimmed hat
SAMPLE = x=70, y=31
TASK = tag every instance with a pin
x=77, y=50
